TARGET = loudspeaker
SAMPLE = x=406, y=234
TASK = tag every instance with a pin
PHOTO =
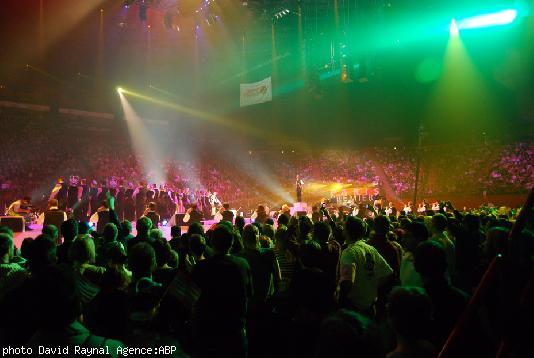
x=179, y=220
x=15, y=223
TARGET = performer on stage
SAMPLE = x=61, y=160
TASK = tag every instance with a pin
x=21, y=207
x=391, y=209
x=81, y=211
x=53, y=216
x=152, y=214
x=224, y=214
x=129, y=203
x=93, y=196
x=192, y=215
x=101, y=216
x=214, y=202
x=299, y=183
x=140, y=198
x=73, y=192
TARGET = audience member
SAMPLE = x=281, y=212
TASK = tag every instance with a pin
x=363, y=269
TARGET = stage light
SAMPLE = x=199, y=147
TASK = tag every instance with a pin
x=119, y=89
x=164, y=222
x=503, y=17
x=453, y=28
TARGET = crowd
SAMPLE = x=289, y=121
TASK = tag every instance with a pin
x=102, y=151
x=390, y=286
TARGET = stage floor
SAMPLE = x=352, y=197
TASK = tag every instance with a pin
x=36, y=231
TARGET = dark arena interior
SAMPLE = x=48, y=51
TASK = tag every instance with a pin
x=267, y=178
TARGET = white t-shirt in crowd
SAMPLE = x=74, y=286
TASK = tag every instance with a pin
x=408, y=275
x=370, y=269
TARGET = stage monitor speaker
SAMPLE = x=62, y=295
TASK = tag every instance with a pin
x=15, y=223
x=179, y=220
x=302, y=213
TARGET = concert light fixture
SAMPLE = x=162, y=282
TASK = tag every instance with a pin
x=503, y=17
x=453, y=28
x=119, y=89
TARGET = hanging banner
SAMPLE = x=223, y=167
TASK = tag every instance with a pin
x=257, y=92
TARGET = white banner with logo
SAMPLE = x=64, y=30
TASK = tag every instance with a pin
x=257, y=92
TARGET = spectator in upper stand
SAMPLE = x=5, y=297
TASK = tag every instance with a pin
x=226, y=286
x=143, y=226
x=58, y=309
x=448, y=301
x=409, y=312
x=438, y=233
x=345, y=334
x=69, y=230
x=266, y=274
x=11, y=274
x=416, y=234
x=330, y=251
x=363, y=269
x=390, y=250
x=43, y=251
x=51, y=231
x=151, y=213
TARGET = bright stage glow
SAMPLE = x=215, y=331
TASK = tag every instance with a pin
x=503, y=17
x=147, y=149
x=119, y=90
x=224, y=121
x=453, y=28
